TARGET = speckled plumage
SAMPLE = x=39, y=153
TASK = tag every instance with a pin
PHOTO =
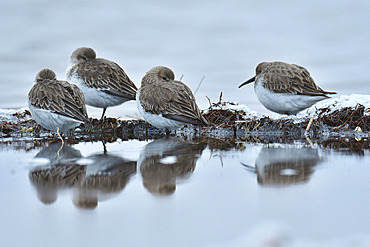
x=55, y=103
x=103, y=82
x=162, y=100
x=285, y=88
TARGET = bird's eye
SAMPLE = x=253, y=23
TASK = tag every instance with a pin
x=164, y=78
x=81, y=58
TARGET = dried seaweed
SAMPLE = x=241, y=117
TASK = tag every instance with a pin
x=224, y=123
x=346, y=118
x=339, y=120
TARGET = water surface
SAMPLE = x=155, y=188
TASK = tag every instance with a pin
x=173, y=192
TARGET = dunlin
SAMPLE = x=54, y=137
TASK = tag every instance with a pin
x=56, y=105
x=285, y=88
x=103, y=82
x=166, y=103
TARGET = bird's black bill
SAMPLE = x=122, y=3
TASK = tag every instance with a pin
x=249, y=81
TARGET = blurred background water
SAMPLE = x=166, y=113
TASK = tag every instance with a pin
x=221, y=40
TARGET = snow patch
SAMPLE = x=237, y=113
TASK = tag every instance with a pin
x=334, y=104
x=331, y=105
x=9, y=114
x=234, y=106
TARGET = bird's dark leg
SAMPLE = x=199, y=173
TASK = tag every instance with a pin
x=104, y=147
x=102, y=115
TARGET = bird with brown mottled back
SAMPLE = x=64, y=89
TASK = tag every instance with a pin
x=103, y=82
x=166, y=103
x=56, y=104
x=285, y=88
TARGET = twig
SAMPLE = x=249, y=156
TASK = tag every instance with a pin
x=341, y=126
x=209, y=101
x=259, y=123
x=309, y=141
x=309, y=126
x=200, y=83
x=220, y=99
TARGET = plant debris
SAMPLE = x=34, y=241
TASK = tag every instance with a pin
x=227, y=120
x=226, y=115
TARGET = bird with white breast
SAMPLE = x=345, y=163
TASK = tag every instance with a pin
x=103, y=82
x=56, y=105
x=167, y=103
x=285, y=88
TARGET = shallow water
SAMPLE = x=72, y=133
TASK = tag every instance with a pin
x=172, y=192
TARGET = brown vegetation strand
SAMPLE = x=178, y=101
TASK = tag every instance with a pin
x=110, y=129
x=347, y=118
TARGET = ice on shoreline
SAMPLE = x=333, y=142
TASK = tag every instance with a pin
x=334, y=104
x=331, y=105
x=9, y=115
x=234, y=106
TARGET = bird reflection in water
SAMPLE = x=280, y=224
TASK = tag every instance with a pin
x=164, y=161
x=102, y=176
x=61, y=171
x=285, y=165
x=105, y=176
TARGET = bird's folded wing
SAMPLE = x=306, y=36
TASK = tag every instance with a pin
x=108, y=76
x=176, y=102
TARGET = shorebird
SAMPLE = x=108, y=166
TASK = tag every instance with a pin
x=285, y=88
x=56, y=105
x=166, y=103
x=103, y=82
